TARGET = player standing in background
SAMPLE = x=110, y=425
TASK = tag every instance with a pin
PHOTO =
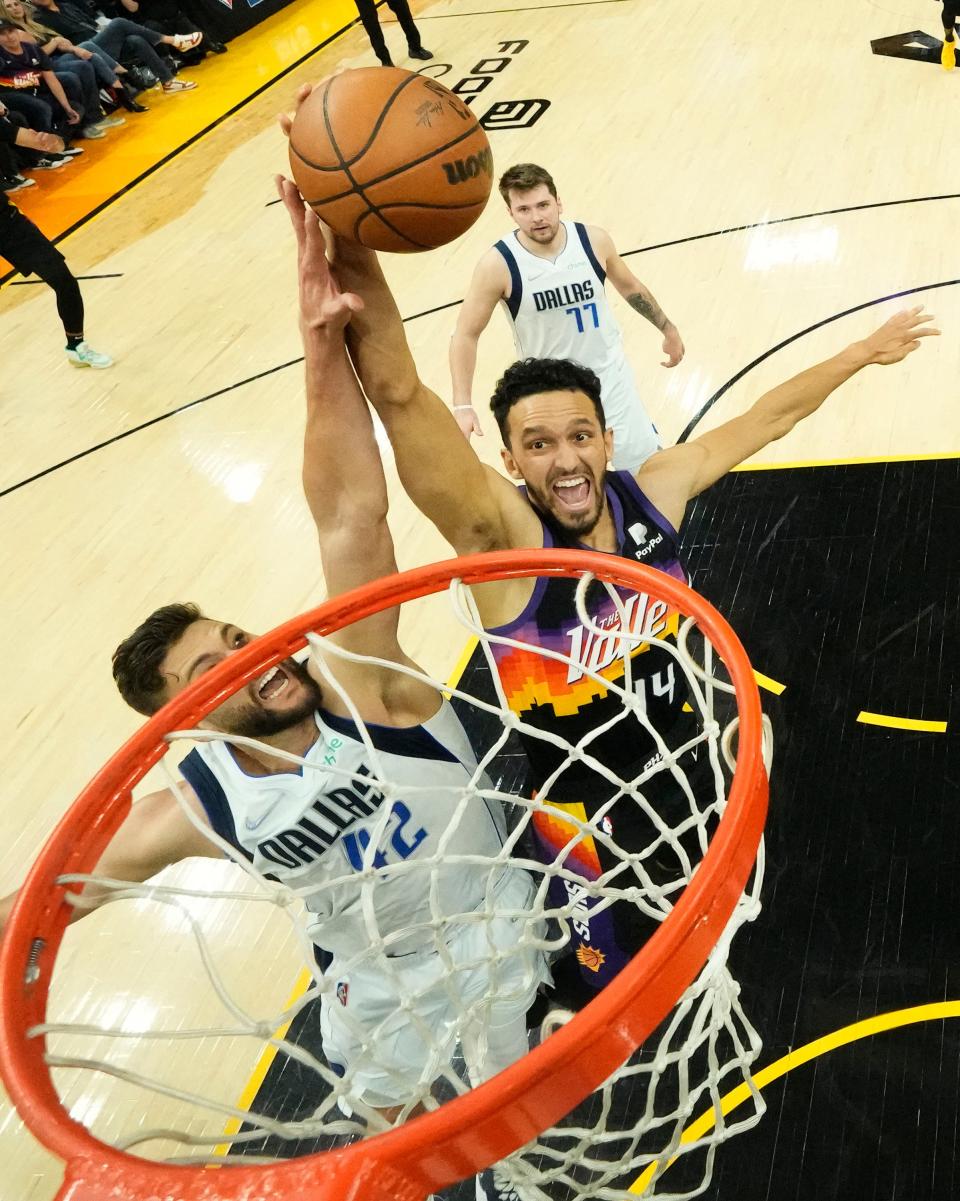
x=31, y=251
x=549, y=277
x=401, y=10
x=948, y=55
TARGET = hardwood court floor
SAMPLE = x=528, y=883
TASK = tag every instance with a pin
x=775, y=183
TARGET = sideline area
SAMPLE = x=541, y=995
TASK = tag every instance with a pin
x=110, y=166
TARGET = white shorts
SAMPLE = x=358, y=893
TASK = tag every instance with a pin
x=393, y=1025
x=635, y=437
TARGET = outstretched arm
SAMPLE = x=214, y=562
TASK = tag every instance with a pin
x=155, y=834
x=674, y=476
x=489, y=284
x=637, y=295
x=343, y=476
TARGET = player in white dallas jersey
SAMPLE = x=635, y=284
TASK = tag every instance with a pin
x=357, y=824
x=548, y=275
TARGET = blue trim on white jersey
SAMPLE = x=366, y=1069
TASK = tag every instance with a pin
x=594, y=261
x=516, y=283
x=414, y=742
x=211, y=796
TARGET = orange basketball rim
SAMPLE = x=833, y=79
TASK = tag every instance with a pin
x=473, y=1131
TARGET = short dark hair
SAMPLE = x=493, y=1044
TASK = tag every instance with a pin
x=530, y=376
x=136, y=661
x=7, y=24
x=523, y=178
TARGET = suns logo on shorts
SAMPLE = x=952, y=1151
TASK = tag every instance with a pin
x=590, y=957
x=343, y=991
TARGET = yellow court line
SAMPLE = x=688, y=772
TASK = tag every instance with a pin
x=848, y=462
x=934, y=1012
x=763, y=681
x=258, y=59
x=902, y=723
x=262, y=1066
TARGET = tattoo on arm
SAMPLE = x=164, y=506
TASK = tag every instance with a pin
x=646, y=306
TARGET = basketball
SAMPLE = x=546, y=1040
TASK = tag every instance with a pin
x=391, y=159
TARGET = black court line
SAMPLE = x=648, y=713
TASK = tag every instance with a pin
x=82, y=454
x=857, y=308
x=526, y=8
x=190, y=404
x=735, y=229
x=32, y=283
x=190, y=141
x=453, y=303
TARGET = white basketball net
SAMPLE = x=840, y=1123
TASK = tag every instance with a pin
x=450, y=979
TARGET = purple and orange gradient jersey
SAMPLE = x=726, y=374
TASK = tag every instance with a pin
x=562, y=697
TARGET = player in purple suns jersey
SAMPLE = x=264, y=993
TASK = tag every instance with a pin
x=549, y=275
x=557, y=448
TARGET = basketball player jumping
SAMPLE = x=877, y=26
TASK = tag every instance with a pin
x=548, y=276
x=557, y=443
x=318, y=827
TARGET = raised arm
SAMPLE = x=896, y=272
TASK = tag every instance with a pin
x=343, y=478
x=473, y=506
x=637, y=295
x=490, y=283
x=155, y=834
x=672, y=477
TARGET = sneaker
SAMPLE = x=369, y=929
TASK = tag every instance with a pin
x=179, y=85
x=948, y=56
x=420, y=53
x=15, y=183
x=50, y=163
x=70, y=152
x=85, y=356
x=93, y=131
x=110, y=122
x=492, y=1185
x=187, y=41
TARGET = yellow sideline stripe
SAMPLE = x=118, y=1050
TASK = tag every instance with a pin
x=112, y=167
x=848, y=462
x=262, y=1066
x=937, y=1011
x=902, y=723
x=763, y=681
x=269, y=1053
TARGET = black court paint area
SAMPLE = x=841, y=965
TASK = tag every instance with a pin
x=844, y=585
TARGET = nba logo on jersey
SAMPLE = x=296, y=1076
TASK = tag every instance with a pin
x=343, y=991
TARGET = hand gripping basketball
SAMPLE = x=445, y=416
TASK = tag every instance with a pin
x=322, y=304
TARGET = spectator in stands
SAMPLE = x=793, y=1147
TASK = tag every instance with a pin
x=76, y=77
x=171, y=16
x=17, y=157
x=109, y=73
x=30, y=251
x=29, y=72
x=121, y=39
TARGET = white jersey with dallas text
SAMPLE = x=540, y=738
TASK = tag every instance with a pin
x=558, y=309
x=320, y=827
